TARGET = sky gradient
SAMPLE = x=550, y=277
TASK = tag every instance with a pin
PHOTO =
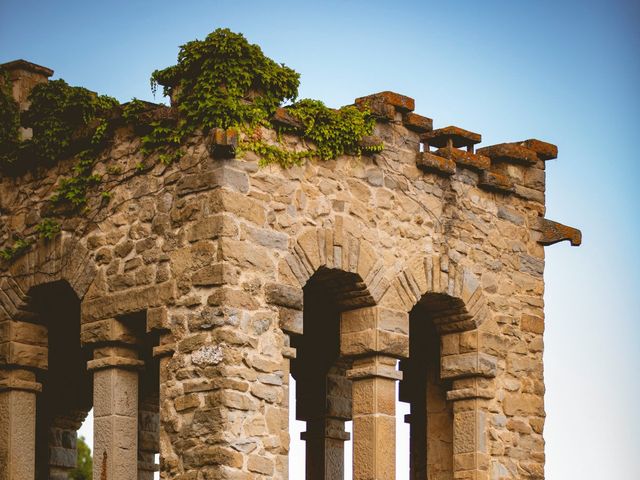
x=566, y=72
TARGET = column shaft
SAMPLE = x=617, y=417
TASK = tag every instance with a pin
x=374, y=422
x=17, y=424
x=115, y=412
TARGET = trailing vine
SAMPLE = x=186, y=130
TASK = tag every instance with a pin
x=222, y=81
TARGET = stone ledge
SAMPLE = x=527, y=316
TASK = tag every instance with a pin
x=115, y=362
x=433, y=163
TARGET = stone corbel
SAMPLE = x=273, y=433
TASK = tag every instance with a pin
x=553, y=232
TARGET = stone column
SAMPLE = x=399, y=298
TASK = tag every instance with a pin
x=148, y=437
x=472, y=373
x=375, y=337
x=23, y=352
x=325, y=435
x=63, y=454
x=115, y=368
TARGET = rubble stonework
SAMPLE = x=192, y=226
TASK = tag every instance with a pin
x=178, y=310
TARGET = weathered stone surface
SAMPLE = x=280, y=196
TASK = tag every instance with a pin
x=496, y=181
x=417, y=123
x=554, y=232
x=510, y=152
x=244, y=273
x=464, y=158
x=400, y=102
x=430, y=162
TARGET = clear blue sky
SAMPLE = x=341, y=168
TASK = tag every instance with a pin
x=566, y=72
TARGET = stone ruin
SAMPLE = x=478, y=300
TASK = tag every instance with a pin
x=179, y=310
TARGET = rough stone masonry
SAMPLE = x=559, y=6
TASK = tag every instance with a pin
x=178, y=310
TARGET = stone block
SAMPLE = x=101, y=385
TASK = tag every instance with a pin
x=450, y=136
x=532, y=323
x=215, y=275
x=284, y=295
x=417, y=123
x=468, y=365
x=213, y=227
x=104, y=331
x=223, y=200
x=158, y=319
x=24, y=355
x=23, y=332
x=496, y=181
x=400, y=102
x=429, y=162
x=510, y=153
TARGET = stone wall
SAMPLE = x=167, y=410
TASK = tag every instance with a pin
x=206, y=275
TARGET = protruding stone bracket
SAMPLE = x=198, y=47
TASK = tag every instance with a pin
x=554, y=232
x=223, y=143
x=430, y=162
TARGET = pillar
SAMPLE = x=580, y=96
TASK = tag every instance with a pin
x=23, y=353
x=115, y=367
x=63, y=454
x=325, y=435
x=375, y=338
x=148, y=437
x=472, y=374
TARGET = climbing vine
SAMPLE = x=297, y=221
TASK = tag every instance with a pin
x=9, y=122
x=222, y=81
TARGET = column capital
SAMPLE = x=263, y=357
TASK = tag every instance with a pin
x=380, y=366
x=19, y=380
x=115, y=362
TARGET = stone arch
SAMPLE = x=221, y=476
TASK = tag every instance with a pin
x=63, y=258
x=449, y=386
x=448, y=288
x=320, y=251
